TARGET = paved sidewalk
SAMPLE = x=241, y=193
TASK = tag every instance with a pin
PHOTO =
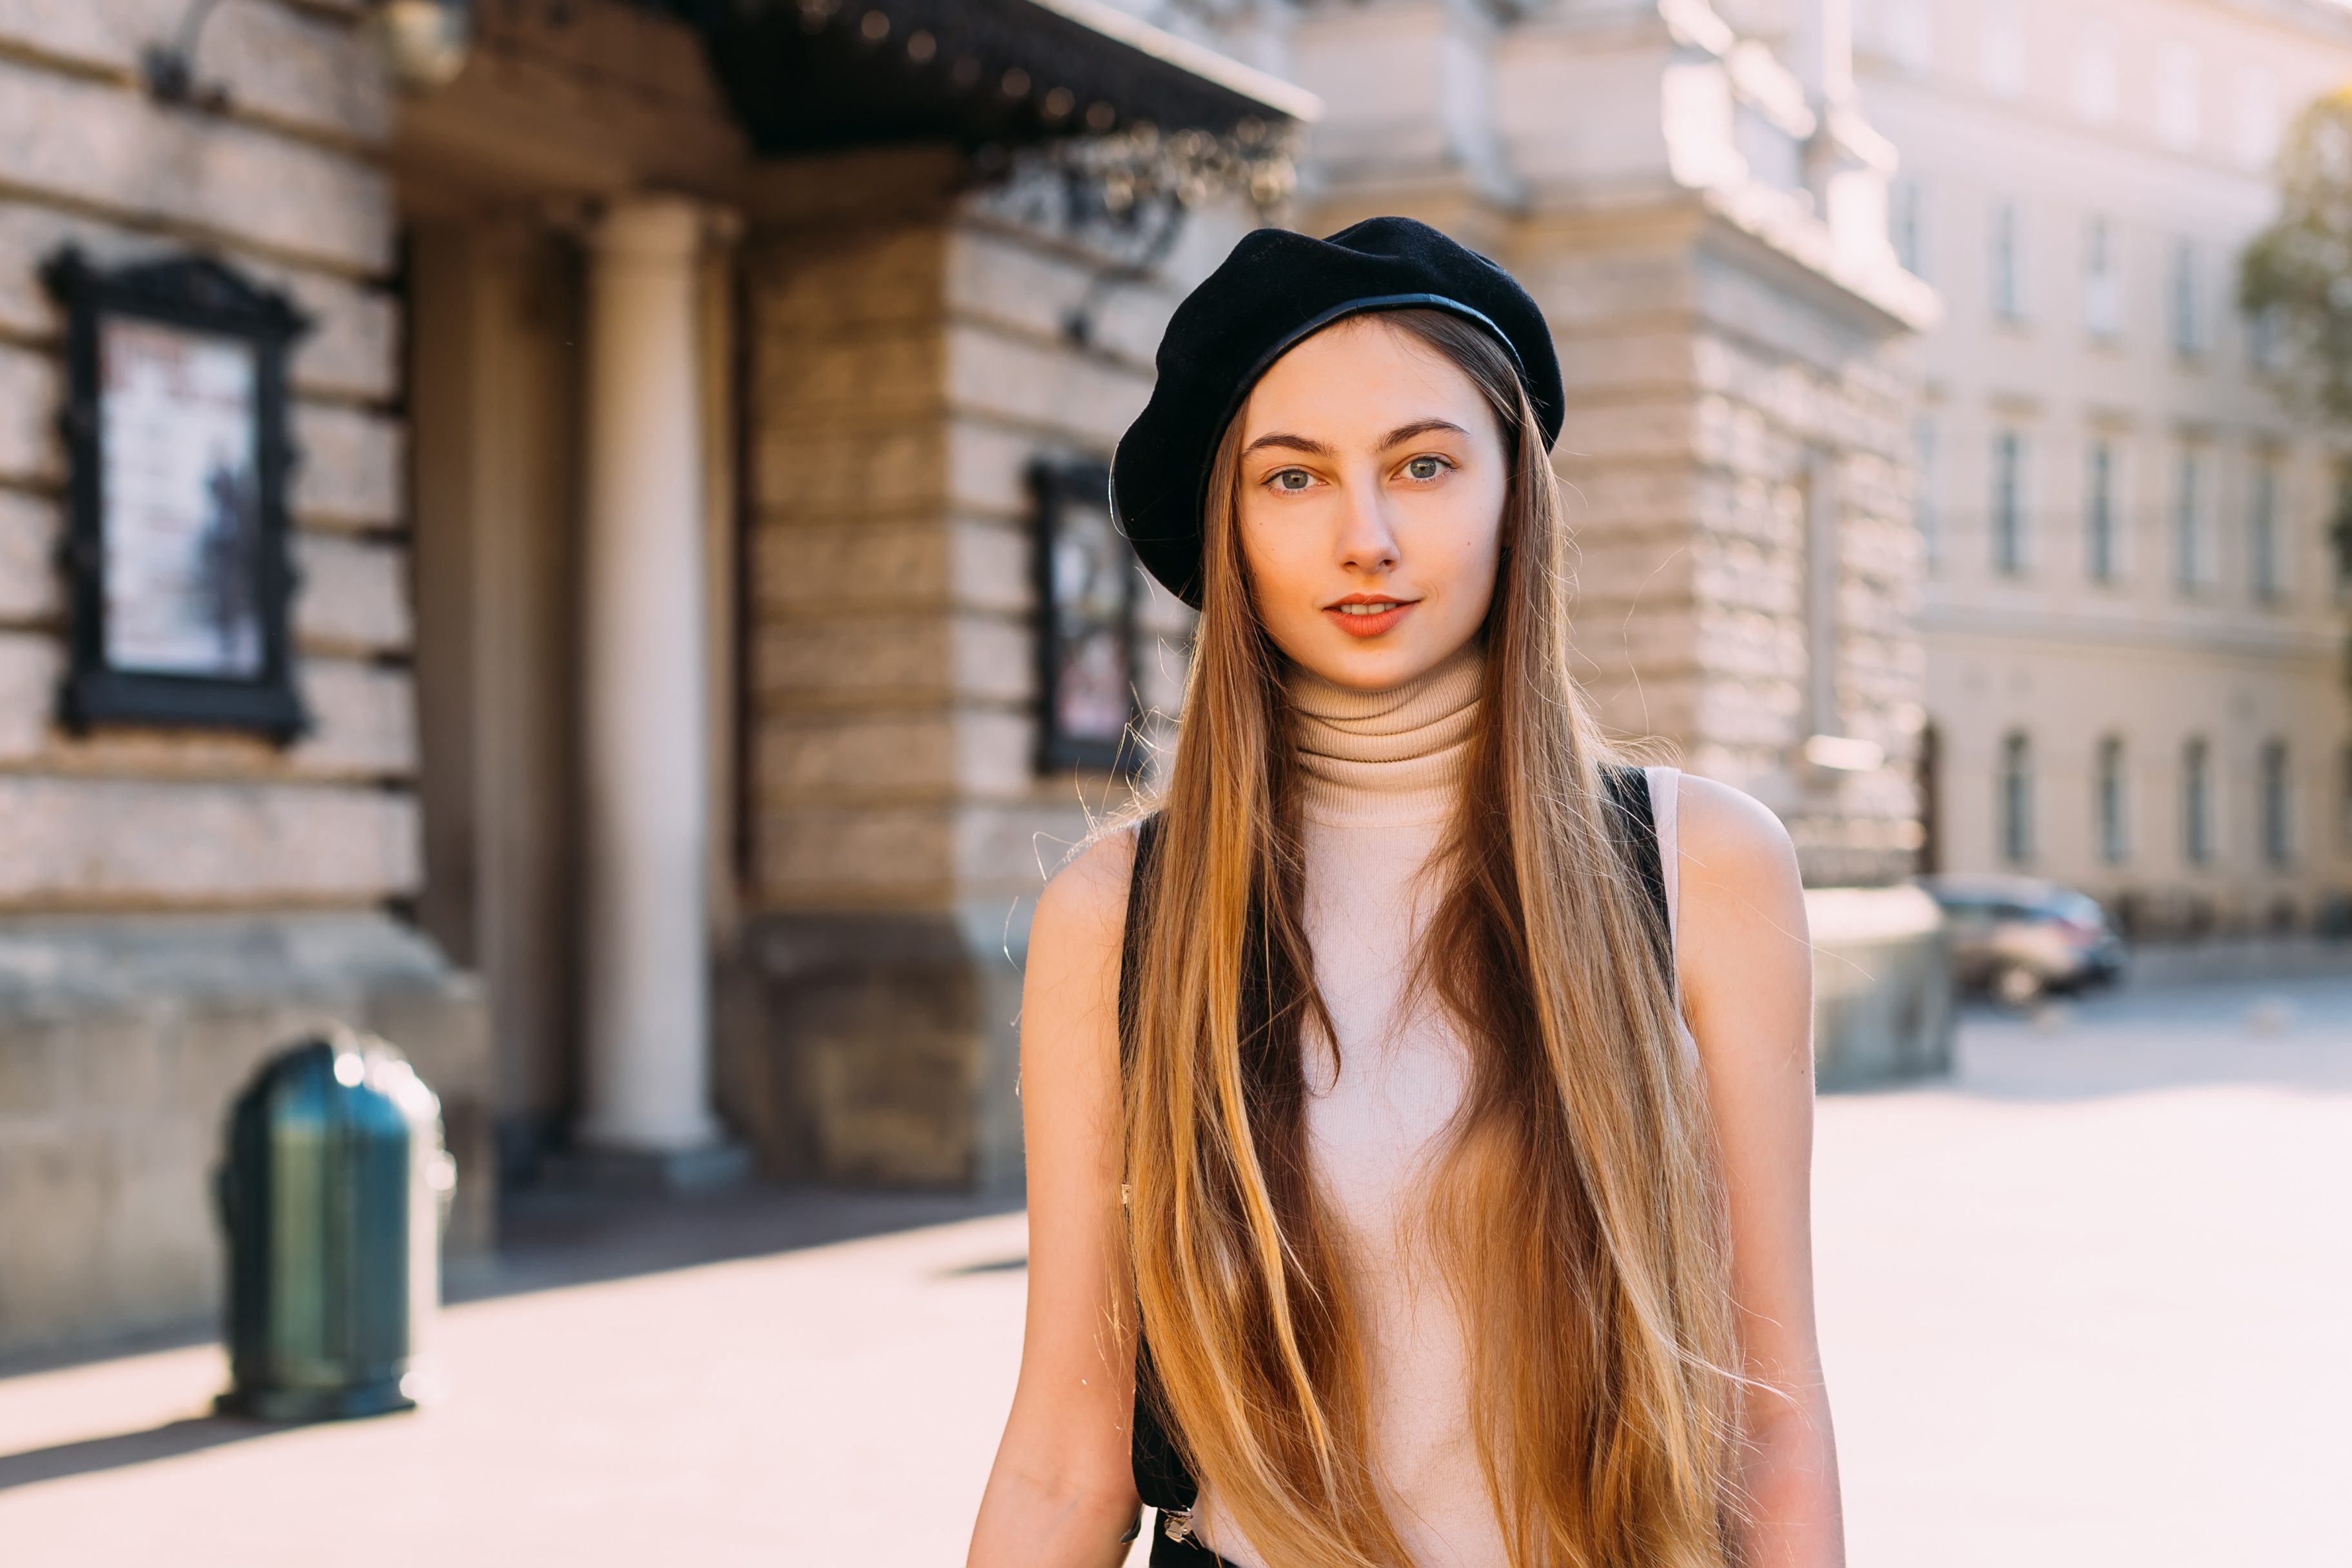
x=2082, y=1307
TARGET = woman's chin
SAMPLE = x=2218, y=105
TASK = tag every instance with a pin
x=1368, y=664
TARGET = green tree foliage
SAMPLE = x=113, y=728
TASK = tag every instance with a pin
x=2297, y=278
x=2295, y=281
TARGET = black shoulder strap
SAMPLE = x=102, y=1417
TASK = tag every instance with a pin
x=1162, y=1479
x=1140, y=884
x=1636, y=830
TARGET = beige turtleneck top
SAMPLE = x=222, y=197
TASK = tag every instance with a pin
x=1383, y=771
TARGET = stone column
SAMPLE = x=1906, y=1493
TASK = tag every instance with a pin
x=643, y=715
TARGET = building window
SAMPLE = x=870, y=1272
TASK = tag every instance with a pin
x=1085, y=578
x=2103, y=303
x=2095, y=73
x=1907, y=224
x=2017, y=799
x=2001, y=58
x=2278, y=805
x=2113, y=804
x=2189, y=551
x=2188, y=318
x=2009, y=501
x=1923, y=490
x=2008, y=262
x=2099, y=513
x=2179, y=111
x=2197, y=802
x=2265, y=568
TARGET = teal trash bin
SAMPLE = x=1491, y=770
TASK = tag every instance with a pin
x=332, y=1192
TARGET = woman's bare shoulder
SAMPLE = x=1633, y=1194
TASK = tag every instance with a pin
x=1729, y=837
x=1085, y=901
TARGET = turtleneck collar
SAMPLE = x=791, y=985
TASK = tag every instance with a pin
x=1387, y=757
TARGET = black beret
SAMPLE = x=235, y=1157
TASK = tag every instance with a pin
x=1275, y=289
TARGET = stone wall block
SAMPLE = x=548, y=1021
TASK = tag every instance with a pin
x=31, y=587
x=850, y=659
x=351, y=472
x=988, y=468
x=994, y=566
x=289, y=63
x=32, y=391
x=1583, y=291
x=994, y=659
x=1630, y=431
x=813, y=284
x=844, y=854
x=363, y=717
x=996, y=753
x=1029, y=381
x=82, y=142
x=842, y=755
x=1737, y=574
x=996, y=274
x=30, y=665
x=1632, y=499
x=1003, y=849
x=819, y=469
x=353, y=595
x=877, y=377
x=826, y=569
x=1652, y=361
x=1661, y=702
x=58, y=1180
x=195, y=844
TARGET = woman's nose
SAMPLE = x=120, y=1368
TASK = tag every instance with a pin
x=1368, y=541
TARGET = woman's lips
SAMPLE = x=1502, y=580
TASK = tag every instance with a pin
x=1360, y=618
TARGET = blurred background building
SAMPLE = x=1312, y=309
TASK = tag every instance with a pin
x=2134, y=606
x=707, y=620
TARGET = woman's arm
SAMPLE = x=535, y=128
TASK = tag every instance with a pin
x=1747, y=987
x=1062, y=1490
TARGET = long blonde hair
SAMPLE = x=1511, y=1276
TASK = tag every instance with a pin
x=1577, y=1212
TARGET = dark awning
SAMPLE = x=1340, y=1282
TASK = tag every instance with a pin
x=830, y=73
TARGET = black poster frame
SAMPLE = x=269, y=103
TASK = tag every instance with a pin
x=196, y=294
x=1057, y=485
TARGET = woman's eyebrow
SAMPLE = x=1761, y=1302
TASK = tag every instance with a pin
x=1396, y=438
x=1293, y=443
x=1403, y=433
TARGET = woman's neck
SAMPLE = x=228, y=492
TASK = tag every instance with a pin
x=1387, y=757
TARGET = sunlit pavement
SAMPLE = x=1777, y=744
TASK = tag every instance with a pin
x=2086, y=1305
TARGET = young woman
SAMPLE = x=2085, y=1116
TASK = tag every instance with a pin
x=1426, y=1092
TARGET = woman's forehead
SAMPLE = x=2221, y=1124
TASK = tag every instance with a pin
x=1362, y=375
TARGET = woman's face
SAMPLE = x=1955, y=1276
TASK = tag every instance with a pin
x=1372, y=480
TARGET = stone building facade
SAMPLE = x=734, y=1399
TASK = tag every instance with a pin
x=176, y=903
x=666, y=523
x=1699, y=209
x=663, y=542
x=2133, y=614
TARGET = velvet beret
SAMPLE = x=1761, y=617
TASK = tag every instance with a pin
x=1275, y=289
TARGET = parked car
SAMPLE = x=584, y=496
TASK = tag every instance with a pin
x=2017, y=938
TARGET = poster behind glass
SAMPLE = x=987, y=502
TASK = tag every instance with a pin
x=179, y=425
x=1093, y=678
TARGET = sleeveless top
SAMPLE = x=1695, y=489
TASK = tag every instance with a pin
x=1445, y=1511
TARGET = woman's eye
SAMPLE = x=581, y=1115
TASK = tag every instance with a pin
x=1425, y=467
x=1292, y=479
